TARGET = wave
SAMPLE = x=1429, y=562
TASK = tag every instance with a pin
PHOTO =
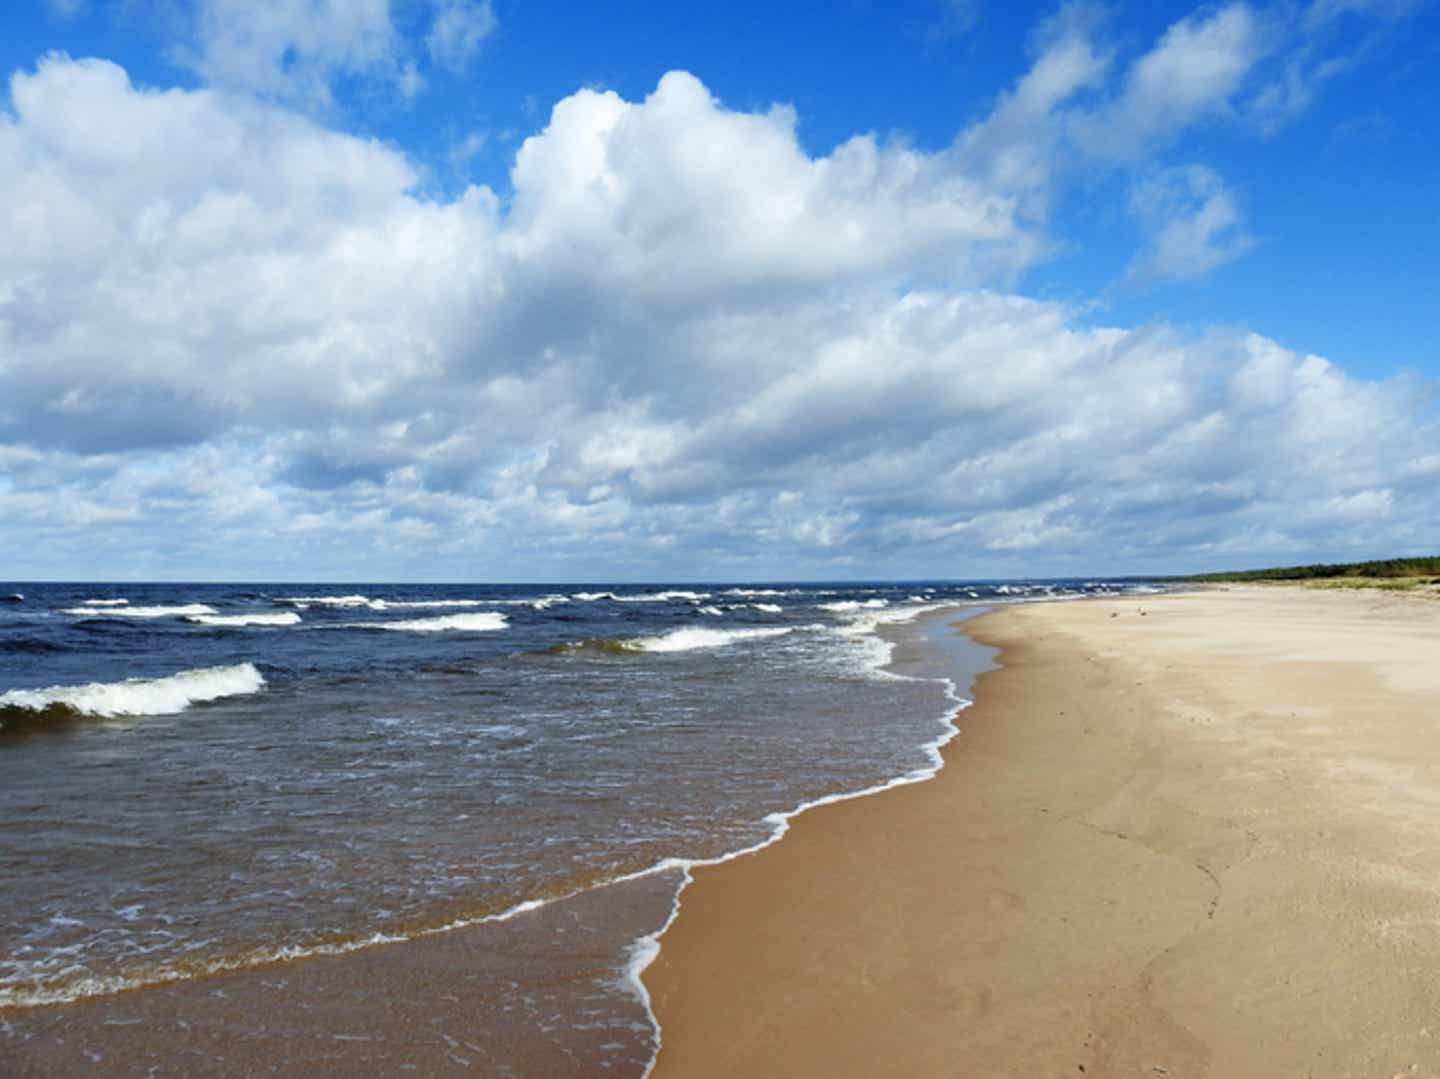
x=686, y=640
x=409, y=604
x=662, y=597
x=12, y=597
x=371, y=603
x=679, y=640
x=34, y=708
x=283, y=618
x=643, y=597
x=106, y=602
x=325, y=601
x=480, y=622
x=614, y=646
x=844, y=605
x=94, y=611
x=768, y=608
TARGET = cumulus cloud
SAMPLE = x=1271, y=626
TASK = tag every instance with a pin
x=683, y=345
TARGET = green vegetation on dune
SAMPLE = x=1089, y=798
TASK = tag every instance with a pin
x=1397, y=573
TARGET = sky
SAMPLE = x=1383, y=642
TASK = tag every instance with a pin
x=495, y=290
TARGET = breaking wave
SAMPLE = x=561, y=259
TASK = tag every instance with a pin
x=325, y=601
x=409, y=604
x=662, y=597
x=356, y=601
x=117, y=611
x=686, y=640
x=283, y=618
x=35, y=708
x=480, y=622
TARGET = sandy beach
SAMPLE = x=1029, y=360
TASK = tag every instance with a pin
x=1194, y=835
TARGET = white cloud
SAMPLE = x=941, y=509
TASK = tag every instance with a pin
x=652, y=194
x=459, y=29
x=293, y=48
x=686, y=347
x=1193, y=223
x=1078, y=108
x=1018, y=145
x=296, y=51
x=1193, y=73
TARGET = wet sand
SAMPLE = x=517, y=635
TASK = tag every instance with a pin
x=444, y=1004
x=1194, y=835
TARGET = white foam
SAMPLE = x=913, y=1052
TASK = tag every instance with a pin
x=405, y=604
x=327, y=601
x=865, y=621
x=688, y=639
x=480, y=622
x=768, y=608
x=591, y=597
x=144, y=696
x=95, y=611
x=661, y=597
x=844, y=605
x=106, y=602
x=282, y=618
x=356, y=601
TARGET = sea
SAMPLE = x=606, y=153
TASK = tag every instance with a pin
x=198, y=780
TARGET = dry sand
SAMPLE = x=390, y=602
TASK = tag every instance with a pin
x=1199, y=841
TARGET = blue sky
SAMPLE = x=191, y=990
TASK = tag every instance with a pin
x=448, y=289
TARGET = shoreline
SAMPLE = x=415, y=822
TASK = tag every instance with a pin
x=647, y=949
x=405, y=964
x=1123, y=868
